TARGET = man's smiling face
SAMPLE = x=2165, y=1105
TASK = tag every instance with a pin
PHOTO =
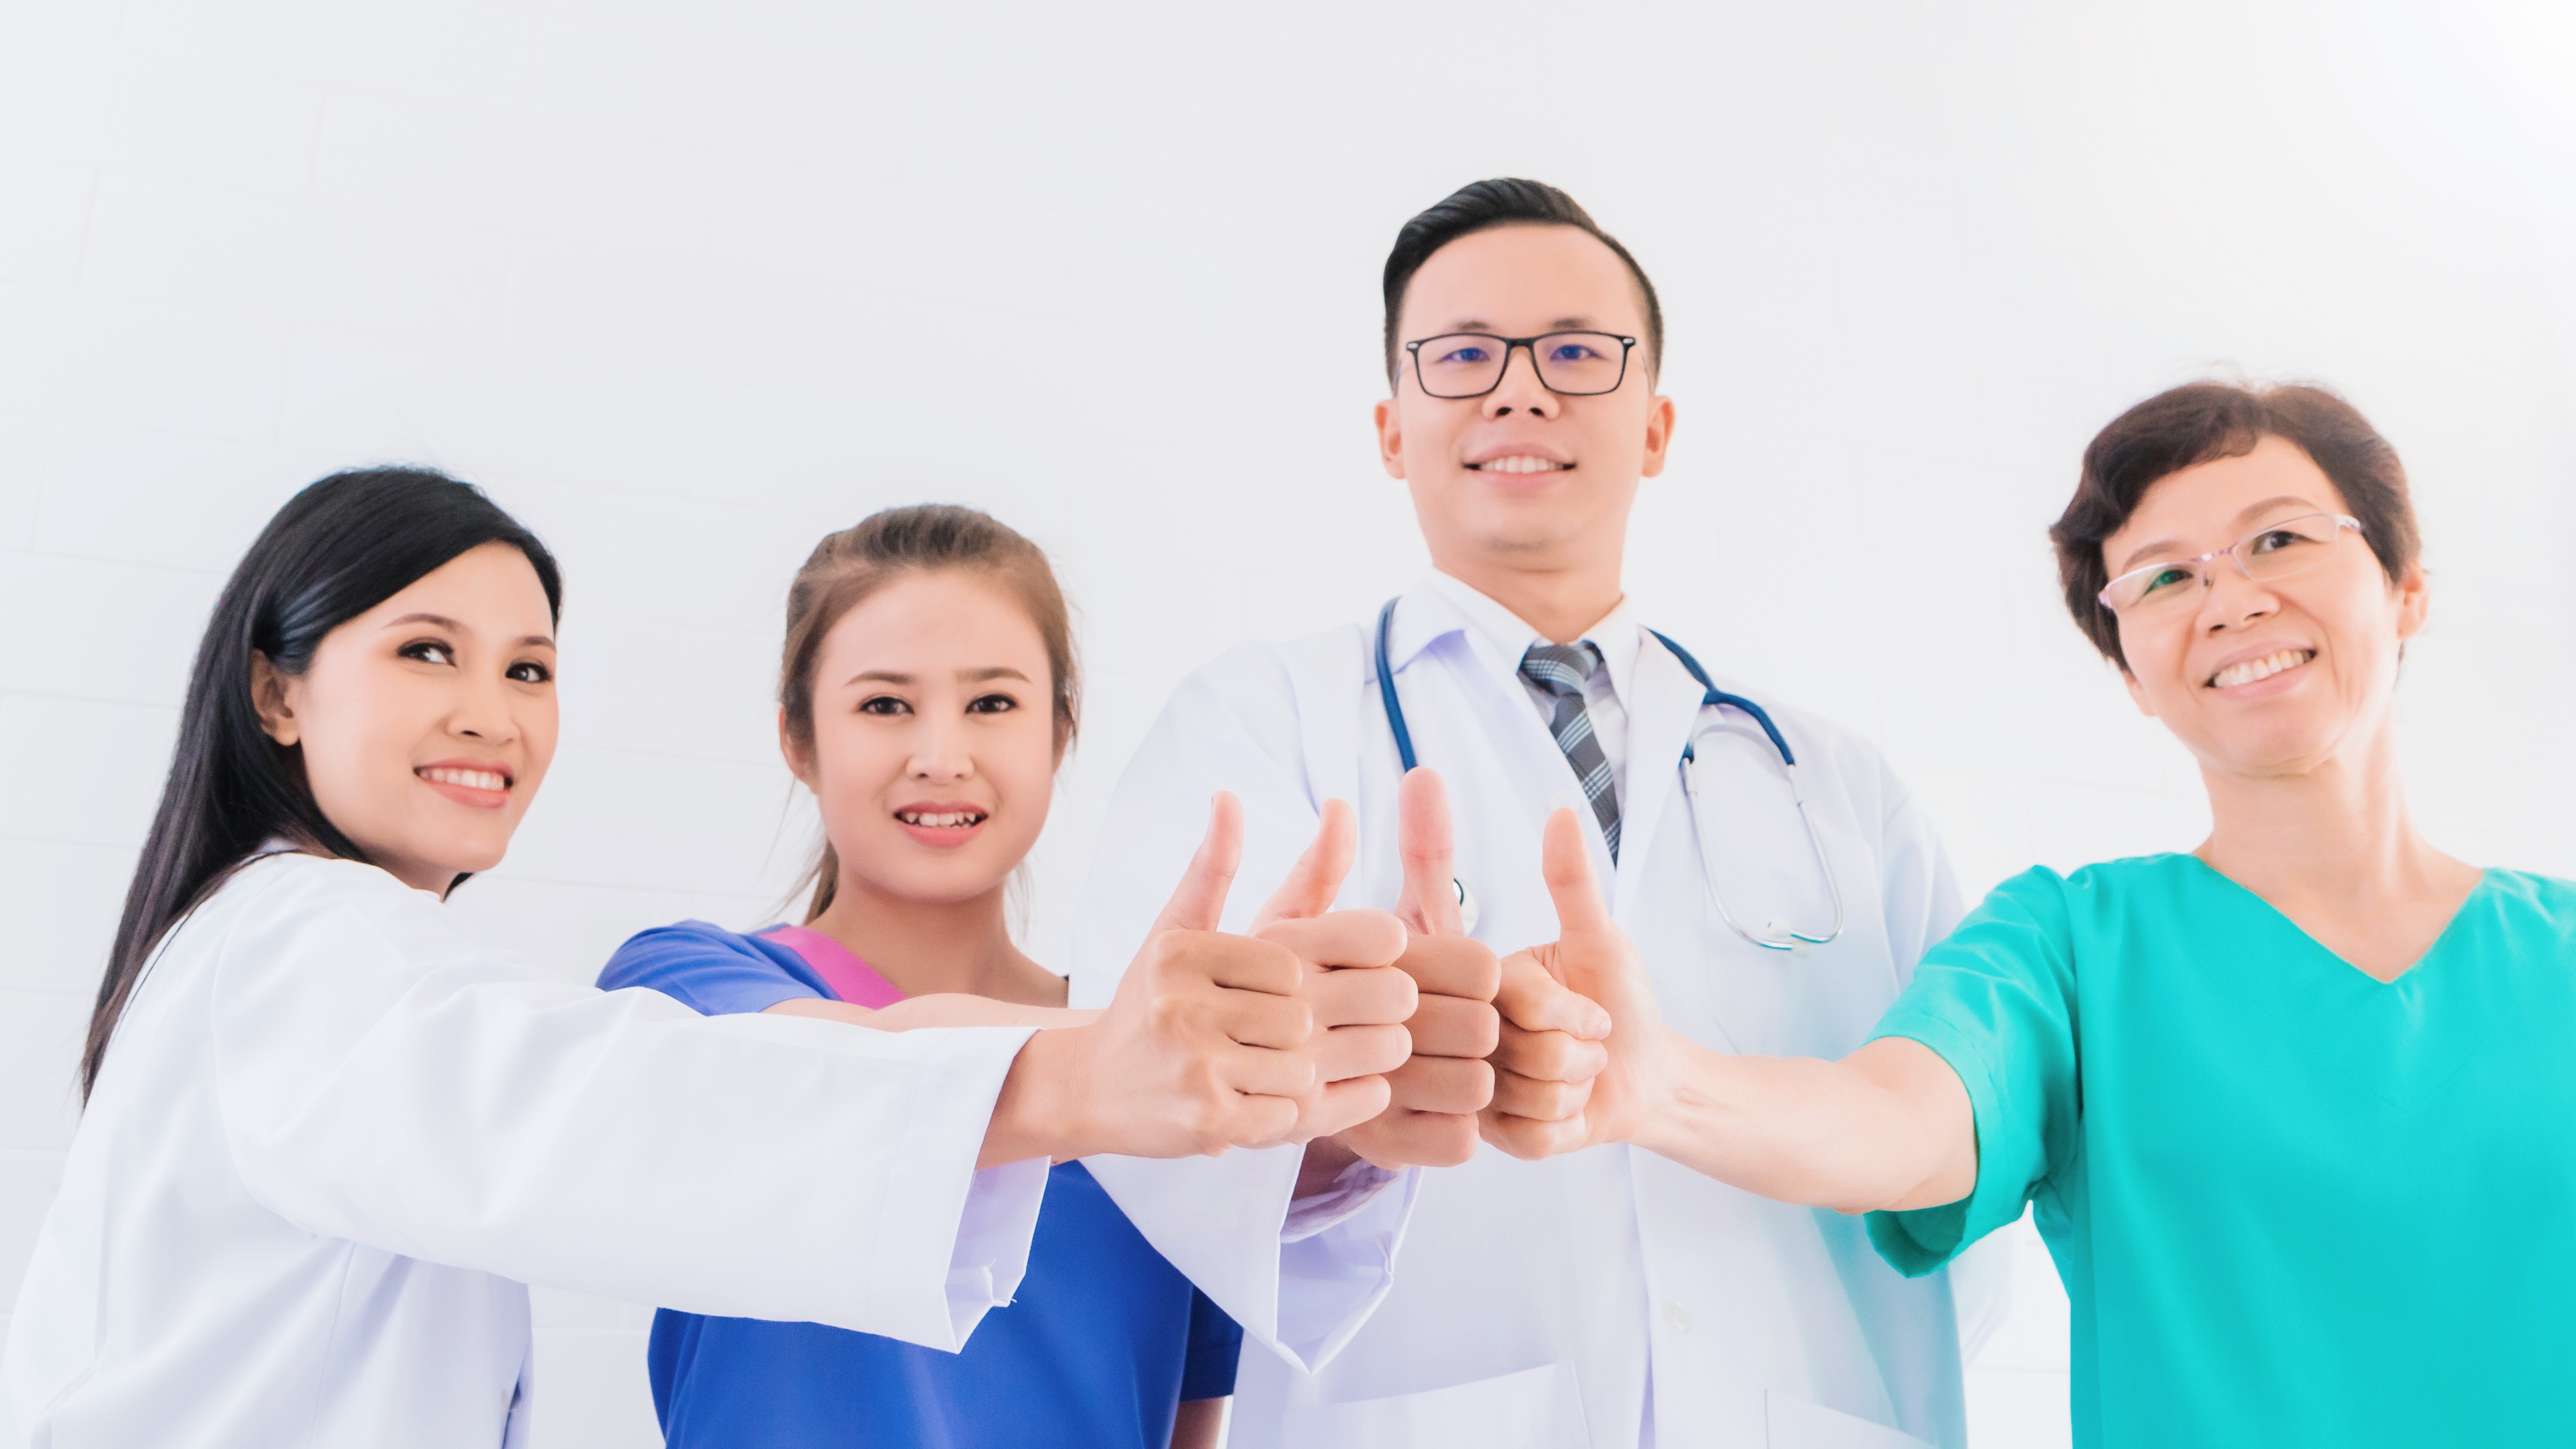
x=1523, y=474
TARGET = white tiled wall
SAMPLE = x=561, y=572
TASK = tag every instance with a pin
x=689, y=283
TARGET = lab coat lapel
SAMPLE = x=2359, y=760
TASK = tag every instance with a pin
x=1666, y=706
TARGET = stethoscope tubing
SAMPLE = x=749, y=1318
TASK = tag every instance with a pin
x=1790, y=938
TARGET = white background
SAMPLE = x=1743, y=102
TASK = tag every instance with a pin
x=688, y=284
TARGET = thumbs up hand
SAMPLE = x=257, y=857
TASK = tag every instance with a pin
x=1585, y=1057
x=1208, y=1043
x=1433, y=1097
x=1359, y=1006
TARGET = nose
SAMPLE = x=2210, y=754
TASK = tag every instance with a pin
x=939, y=750
x=1520, y=390
x=2231, y=600
x=483, y=712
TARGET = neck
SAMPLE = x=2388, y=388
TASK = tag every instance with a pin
x=2339, y=831
x=926, y=947
x=1560, y=601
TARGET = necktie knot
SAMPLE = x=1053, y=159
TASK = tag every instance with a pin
x=1560, y=669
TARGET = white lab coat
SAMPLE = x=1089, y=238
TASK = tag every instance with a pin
x=1610, y=1297
x=333, y=1140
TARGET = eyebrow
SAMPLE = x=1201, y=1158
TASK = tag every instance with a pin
x=970, y=676
x=541, y=641
x=1479, y=324
x=2245, y=516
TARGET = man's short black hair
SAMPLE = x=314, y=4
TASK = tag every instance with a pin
x=1482, y=206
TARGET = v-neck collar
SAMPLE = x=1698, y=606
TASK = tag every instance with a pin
x=2414, y=969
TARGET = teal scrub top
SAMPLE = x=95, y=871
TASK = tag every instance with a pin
x=2291, y=1204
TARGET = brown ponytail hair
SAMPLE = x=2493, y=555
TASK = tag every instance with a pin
x=847, y=567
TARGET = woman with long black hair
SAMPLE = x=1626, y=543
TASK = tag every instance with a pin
x=327, y=1140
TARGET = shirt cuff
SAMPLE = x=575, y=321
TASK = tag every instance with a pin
x=1353, y=1188
x=1333, y=1278
x=993, y=1237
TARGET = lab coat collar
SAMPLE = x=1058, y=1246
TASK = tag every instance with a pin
x=1500, y=637
x=1661, y=716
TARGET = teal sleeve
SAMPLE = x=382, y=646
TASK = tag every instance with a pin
x=1996, y=1000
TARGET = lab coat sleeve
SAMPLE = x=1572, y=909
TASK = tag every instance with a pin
x=383, y=1081
x=1234, y=725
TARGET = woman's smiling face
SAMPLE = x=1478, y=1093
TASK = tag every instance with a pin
x=2261, y=678
x=935, y=741
x=425, y=724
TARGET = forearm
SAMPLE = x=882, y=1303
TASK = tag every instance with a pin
x=943, y=1009
x=1888, y=1127
x=1196, y=1422
x=1037, y=1112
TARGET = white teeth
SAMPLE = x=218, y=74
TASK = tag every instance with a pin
x=1520, y=463
x=471, y=779
x=939, y=820
x=2263, y=668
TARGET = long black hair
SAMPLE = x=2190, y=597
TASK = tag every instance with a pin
x=336, y=550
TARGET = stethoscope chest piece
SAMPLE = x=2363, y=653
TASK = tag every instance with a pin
x=1466, y=907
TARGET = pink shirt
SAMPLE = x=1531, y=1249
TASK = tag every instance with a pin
x=850, y=978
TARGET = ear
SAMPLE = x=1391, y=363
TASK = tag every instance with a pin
x=270, y=695
x=1390, y=439
x=1659, y=435
x=800, y=763
x=2414, y=595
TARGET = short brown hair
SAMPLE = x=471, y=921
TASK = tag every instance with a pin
x=2201, y=421
x=849, y=566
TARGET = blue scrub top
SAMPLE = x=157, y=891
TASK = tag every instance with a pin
x=2292, y=1203
x=1103, y=1342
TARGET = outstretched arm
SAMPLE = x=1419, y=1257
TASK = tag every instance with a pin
x=943, y=1008
x=1887, y=1127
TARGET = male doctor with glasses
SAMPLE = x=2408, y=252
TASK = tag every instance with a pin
x=1561, y=1286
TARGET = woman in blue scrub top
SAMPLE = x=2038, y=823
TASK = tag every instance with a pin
x=2297, y=1109
x=927, y=696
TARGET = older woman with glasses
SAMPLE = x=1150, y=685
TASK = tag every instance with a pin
x=2297, y=1107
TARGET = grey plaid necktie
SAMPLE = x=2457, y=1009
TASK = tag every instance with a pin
x=1560, y=669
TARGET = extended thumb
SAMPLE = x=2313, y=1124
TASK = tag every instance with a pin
x=1316, y=879
x=1198, y=903
x=1565, y=858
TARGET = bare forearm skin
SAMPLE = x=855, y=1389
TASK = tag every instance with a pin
x=947, y=1008
x=1888, y=1127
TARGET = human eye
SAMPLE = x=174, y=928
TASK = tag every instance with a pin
x=428, y=651
x=991, y=704
x=2273, y=540
x=884, y=704
x=1465, y=353
x=2156, y=580
x=530, y=671
x=1573, y=352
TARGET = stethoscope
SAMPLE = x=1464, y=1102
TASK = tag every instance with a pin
x=1786, y=937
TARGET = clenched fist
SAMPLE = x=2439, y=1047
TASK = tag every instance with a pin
x=1208, y=1044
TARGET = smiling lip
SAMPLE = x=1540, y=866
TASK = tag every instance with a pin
x=942, y=824
x=483, y=784
x=2254, y=669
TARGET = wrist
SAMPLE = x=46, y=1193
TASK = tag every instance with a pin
x=1040, y=1110
x=1660, y=1126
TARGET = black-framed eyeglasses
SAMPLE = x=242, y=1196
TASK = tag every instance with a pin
x=1471, y=364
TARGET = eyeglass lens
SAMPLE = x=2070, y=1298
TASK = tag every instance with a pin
x=2275, y=551
x=1470, y=364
